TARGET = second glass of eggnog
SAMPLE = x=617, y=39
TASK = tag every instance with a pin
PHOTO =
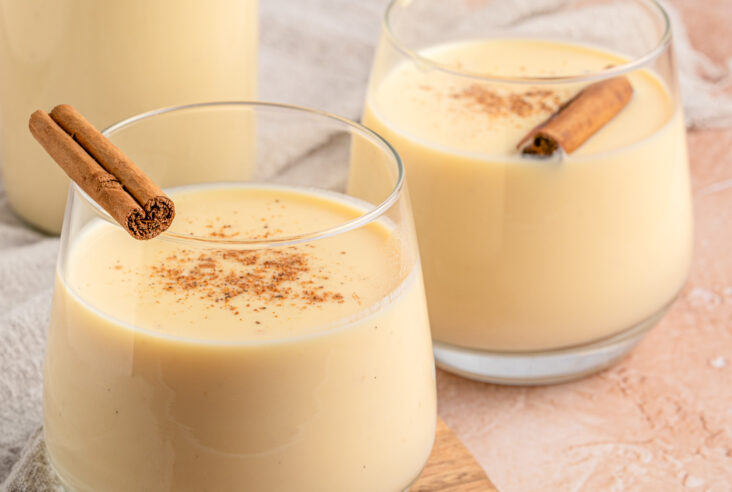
x=275, y=338
x=541, y=263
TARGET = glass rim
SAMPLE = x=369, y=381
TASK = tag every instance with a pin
x=368, y=216
x=607, y=72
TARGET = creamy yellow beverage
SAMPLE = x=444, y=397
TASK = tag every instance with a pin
x=521, y=254
x=177, y=367
x=110, y=60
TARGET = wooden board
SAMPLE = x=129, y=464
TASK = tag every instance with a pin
x=451, y=467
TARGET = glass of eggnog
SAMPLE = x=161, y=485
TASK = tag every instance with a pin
x=275, y=338
x=545, y=150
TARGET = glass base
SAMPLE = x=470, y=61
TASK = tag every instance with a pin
x=545, y=367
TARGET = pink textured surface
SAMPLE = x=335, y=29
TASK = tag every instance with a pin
x=662, y=418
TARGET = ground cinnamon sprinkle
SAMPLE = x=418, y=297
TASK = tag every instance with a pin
x=264, y=276
x=523, y=104
x=225, y=232
x=222, y=232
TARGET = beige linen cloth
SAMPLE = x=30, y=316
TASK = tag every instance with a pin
x=313, y=52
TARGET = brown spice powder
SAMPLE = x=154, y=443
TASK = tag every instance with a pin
x=498, y=104
x=264, y=276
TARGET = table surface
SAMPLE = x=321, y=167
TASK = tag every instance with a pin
x=451, y=467
x=662, y=418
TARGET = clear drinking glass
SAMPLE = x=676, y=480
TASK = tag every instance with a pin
x=536, y=270
x=275, y=338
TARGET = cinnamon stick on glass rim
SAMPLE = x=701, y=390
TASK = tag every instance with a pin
x=103, y=171
x=579, y=118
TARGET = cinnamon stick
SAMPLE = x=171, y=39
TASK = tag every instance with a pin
x=108, y=176
x=579, y=118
